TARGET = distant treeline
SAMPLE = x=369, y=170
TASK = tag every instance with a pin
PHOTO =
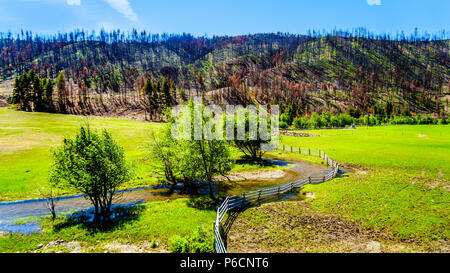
x=33, y=93
x=327, y=120
x=356, y=66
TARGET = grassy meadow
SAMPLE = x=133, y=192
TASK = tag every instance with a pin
x=156, y=222
x=401, y=185
x=26, y=140
x=400, y=189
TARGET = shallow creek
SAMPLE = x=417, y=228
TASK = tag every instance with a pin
x=11, y=212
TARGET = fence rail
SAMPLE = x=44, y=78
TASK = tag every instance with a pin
x=246, y=199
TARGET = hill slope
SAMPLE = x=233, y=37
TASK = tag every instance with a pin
x=315, y=72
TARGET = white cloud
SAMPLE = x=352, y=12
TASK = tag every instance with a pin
x=124, y=7
x=374, y=2
x=73, y=2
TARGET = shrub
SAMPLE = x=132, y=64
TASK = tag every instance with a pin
x=284, y=118
x=284, y=125
x=316, y=120
x=178, y=244
x=335, y=122
x=301, y=123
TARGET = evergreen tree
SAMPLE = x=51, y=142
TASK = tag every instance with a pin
x=166, y=93
x=48, y=95
x=61, y=88
x=151, y=96
x=37, y=93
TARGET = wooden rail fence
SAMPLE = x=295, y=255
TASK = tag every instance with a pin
x=239, y=202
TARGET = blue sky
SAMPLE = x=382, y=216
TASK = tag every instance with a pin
x=226, y=17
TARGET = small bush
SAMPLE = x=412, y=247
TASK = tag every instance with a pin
x=154, y=244
x=204, y=202
x=178, y=244
x=198, y=242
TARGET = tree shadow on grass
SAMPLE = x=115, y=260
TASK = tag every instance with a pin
x=120, y=214
x=203, y=203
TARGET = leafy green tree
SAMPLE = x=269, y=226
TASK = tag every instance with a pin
x=93, y=164
x=210, y=158
x=189, y=160
x=301, y=123
x=251, y=144
x=316, y=120
x=291, y=113
x=166, y=158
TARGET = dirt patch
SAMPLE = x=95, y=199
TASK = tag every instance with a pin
x=431, y=183
x=59, y=246
x=294, y=227
x=354, y=168
x=144, y=247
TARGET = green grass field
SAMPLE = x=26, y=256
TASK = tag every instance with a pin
x=158, y=221
x=402, y=181
x=400, y=188
x=26, y=140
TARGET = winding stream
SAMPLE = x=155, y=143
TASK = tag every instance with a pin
x=11, y=212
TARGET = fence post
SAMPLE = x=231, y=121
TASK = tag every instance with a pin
x=299, y=150
x=243, y=200
x=259, y=198
x=309, y=150
x=279, y=195
x=291, y=149
x=324, y=179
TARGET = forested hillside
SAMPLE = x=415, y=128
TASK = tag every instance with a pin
x=315, y=72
